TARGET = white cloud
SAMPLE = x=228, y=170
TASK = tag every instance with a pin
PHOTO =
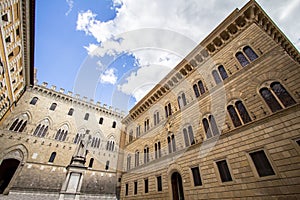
x=70, y=4
x=108, y=76
x=129, y=31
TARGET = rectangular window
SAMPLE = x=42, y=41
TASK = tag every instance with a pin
x=126, y=189
x=159, y=183
x=18, y=31
x=262, y=164
x=8, y=40
x=146, y=185
x=196, y=176
x=224, y=171
x=135, y=187
x=5, y=17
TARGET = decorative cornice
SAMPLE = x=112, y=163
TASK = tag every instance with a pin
x=232, y=26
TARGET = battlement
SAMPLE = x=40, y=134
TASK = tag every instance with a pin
x=76, y=98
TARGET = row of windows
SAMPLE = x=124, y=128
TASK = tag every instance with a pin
x=71, y=111
x=259, y=159
x=91, y=162
x=41, y=130
x=219, y=74
x=275, y=96
x=238, y=113
x=146, y=186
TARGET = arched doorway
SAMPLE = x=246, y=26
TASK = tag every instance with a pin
x=177, y=189
x=8, y=168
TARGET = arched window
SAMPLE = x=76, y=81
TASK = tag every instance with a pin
x=238, y=114
x=86, y=116
x=128, y=162
x=210, y=126
x=130, y=135
x=146, y=125
x=201, y=87
x=196, y=90
x=136, y=158
x=242, y=59
x=12, y=127
x=71, y=111
x=34, y=100
x=114, y=124
x=53, y=106
x=95, y=142
x=181, y=100
x=138, y=131
x=157, y=148
x=276, y=96
x=171, y=143
x=79, y=135
x=52, y=157
x=91, y=162
x=62, y=133
x=42, y=128
x=19, y=124
x=101, y=120
x=168, y=110
x=156, y=118
x=216, y=76
x=110, y=146
x=107, y=165
x=188, y=136
x=222, y=72
x=250, y=53
x=146, y=154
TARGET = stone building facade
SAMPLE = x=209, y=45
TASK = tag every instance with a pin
x=16, y=61
x=224, y=124
x=40, y=127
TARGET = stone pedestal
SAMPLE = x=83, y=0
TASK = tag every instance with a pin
x=72, y=185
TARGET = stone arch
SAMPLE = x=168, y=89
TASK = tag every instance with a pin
x=22, y=114
x=174, y=167
x=17, y=154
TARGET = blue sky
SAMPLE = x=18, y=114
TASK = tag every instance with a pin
x=114, y=51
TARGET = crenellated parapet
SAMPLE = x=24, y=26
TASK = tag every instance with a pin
x=76, y=99
x=229, y=29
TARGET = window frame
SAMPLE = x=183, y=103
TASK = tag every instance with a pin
x=219, y=174
x=254, y=169
x=192, y=176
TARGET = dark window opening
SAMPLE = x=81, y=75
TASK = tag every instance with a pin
x=33, y=100
x=53, y=106
x=242, y=59
x=71, y=111
x=86, y=117
x=114, y=124
x=91, y=162
x=101, y=120
x=262, y=164
x=159, y=183
x=250, y=53
x=224, y=171
x=126, y=189
x=146, y=185
x=107, y=165
x=52, y=157
x=196, y=176
x=135, y=187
